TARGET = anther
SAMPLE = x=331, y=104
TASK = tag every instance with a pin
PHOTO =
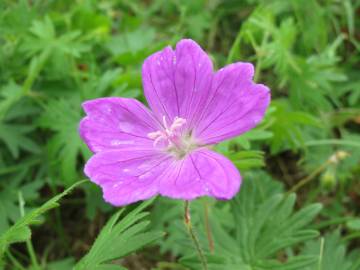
x=169, y=134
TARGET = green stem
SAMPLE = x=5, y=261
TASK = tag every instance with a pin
x=58, y=224
x=14, y=261
x=234, y=48
x=322, y=241
x=188, y=225
x=29, y=245
x=31, y=252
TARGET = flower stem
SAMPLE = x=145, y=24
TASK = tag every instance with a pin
x=188, y=225
x=208, y=228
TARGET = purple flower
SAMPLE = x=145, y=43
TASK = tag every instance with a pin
x=141, y=152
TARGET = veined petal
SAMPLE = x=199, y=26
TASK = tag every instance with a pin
x=127, y=175
x=235, y=105
x=176, y=83
x=202, y=173
x=113, y=123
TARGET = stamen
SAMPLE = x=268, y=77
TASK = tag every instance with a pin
x=164, y=122
x=154, y=135
x=178, y=123
x=171, y=135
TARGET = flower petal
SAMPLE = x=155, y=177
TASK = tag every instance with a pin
x=113, y=123
x=203, y=172
x=176, y=83
x=127, y=176
x=235, y=105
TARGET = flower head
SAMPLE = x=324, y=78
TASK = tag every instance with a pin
x=141, y=152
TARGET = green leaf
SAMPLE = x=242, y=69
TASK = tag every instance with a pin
x=354, y=224
x=287, y=127
x=331, y=254
x=20, y=231
x=293, y=263
x=14, y=137
x=63, y=117
x=245, y=160
x=9, y=94
x=9, y=208
x=64, y=264
x=109, y=267
x=44, y=38
x=132, y=47
x=119, y=238
x=258, y=220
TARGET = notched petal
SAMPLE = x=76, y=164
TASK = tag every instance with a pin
x=236, y=104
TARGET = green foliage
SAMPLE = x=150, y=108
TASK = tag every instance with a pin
x=260, y=225
x=9, y=207
x=287, y=126
x=332, y=254
x=63, y=117
x=119, y=238
x=20, y=231
x=266, y=225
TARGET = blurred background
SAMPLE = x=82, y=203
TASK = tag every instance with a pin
x=56, y=54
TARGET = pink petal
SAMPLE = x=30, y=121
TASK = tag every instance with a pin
x=203, y=172
x=113, y=123
x=176, y=83
x=235, y=105
x=127, y=176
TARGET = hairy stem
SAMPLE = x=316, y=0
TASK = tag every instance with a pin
x=194, y=239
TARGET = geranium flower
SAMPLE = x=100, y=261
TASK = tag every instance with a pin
x=166, y=150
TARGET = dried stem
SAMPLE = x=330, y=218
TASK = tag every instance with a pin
x=308, y=178
x=334, y=159
x=188, y=225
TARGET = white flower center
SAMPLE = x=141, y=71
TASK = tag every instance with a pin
x=174, y=139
